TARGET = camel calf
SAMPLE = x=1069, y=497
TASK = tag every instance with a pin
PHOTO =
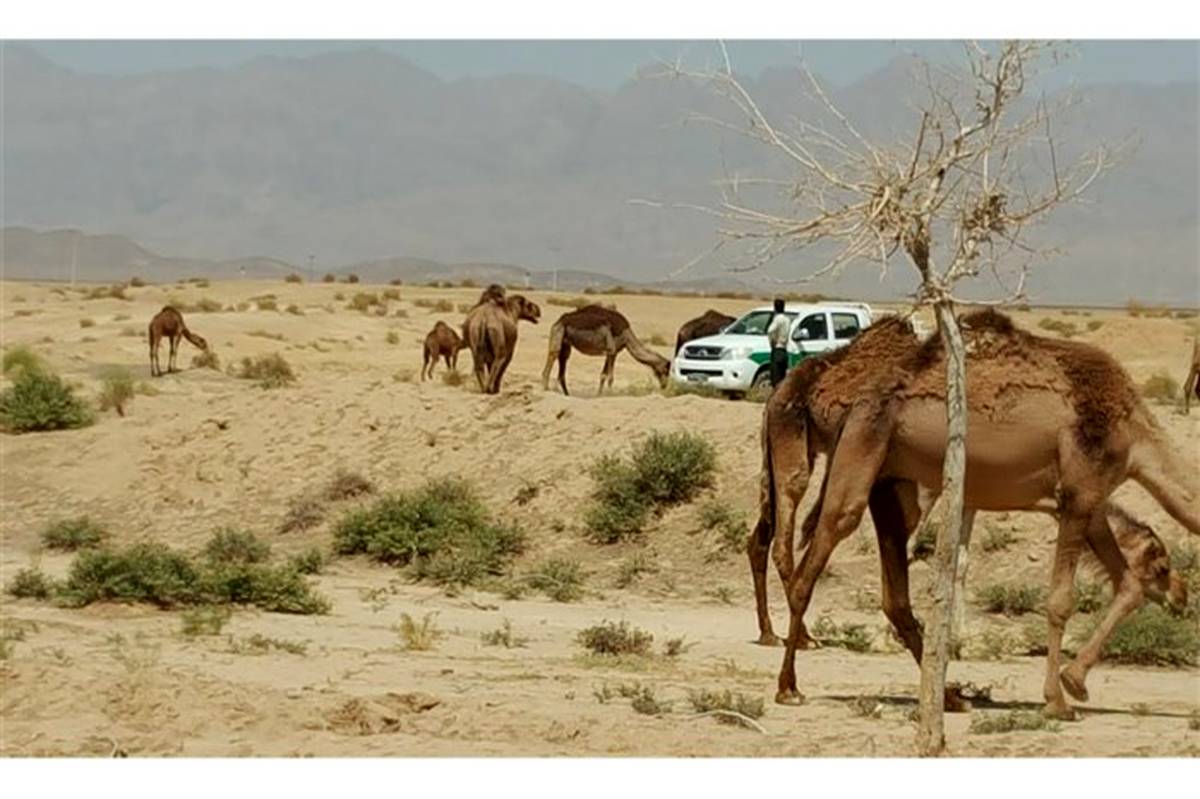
x=169, y=323
x=441, y=342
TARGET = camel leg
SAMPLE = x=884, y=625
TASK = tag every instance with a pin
x=154, y=368
x=853, y=467
x=498, y=372
x=893, y=526
x=425, y=365
x=610, y=360
x=758, y=549
x=1129, y=597
x=1059, y=605
x=174, y=350
x=552, y=352
x=564, y=352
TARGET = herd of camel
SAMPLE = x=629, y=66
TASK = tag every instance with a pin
x=1056, y=427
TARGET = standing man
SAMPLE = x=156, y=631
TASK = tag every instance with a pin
x=777, y=335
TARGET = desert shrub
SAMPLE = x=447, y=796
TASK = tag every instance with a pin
x=391, y=294
x=1094, y=324
x=116, y=389
x=269, y=371
x=1013, y=720
x=559, y=579
x=632, y=568
x=705, y=701
x=294, y=310
x=21, y=359
x=1059, y=326
x=303, y=512
x=266, y=334
x=72, y=534
x=293, y=278
x=441, y=530
x=31, y=584
x=452, y=377
x=267, y=304
x=206, y=360
x=136, y=282
x=503, y=636
x=205, y=305
x=1011, y=600
x=615, y=638
x=130, y=331
x=114, y=292
x=658, y=340
x=205, y=620
x=346, y=485
x=569, y=302
x=1154, y=637
x=418, y=636
x=1089, y=596
x=464, y=307
x=665, y=469
x=363, y=301
x=997, y=539
x=853, y=637
x=729, y=525
x=40, y=400
x=230, y=545
x=396, y=282
x=674, y=647
x=310, y=561
x=351, y=278
x=1160, y=387
x=645, y=702
x=437, y=306
x=329, y=277
x=87, y=322
x=275, y=588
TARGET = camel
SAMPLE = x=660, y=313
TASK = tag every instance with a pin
x=441, y=342
x=1192, y=384
x=491, y=332
x=709, y=323
x=595, y=330
x=1054, y=426
x=169, y=323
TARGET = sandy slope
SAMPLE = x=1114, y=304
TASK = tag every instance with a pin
x=169, y=472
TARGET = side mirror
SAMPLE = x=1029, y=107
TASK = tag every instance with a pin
x=802, y=334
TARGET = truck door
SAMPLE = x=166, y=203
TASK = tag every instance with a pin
x=811, y=335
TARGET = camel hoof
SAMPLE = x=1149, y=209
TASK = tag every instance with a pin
x=1060, y=712
x=1073, y=682
x=769, y=639
x=790, y=697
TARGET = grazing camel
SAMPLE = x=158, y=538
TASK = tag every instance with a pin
x=1054, y=425
x=491, y=332
x=1192, y=384
x=441, y=342
x=709, y=323
x=169, y=323
x=595, y=330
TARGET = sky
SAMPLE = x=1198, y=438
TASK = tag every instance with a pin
x=606, y=64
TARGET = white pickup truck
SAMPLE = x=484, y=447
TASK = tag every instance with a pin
x=737, y=359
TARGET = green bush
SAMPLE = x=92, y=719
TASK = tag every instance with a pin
x=22, y=358
x=729, y=525
x=1154, y=637
x=1011, y=721
x=40, y=400
x=31, y=584
x=853, y=637
x=559, y=579
x=310, y=561
x=1160, y=387
x=346, y=485
x=441, y=530
x=615, y=638
x=303, y=513
x=705, y=701
x=1011, y=600
x=269, y=371
x=116, y=389
x=72, y=534
x=619, y=509
x=232, y=546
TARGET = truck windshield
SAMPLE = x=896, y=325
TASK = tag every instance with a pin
x=754, y=323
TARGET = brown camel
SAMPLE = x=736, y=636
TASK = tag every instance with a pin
x=1192, y=384
x=169, y=323
x=441, y=342
x=595, y=330
x=491, y=332
x=709, y=323
x=1054, y=425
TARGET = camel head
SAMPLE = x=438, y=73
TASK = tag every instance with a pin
x=199, y=341
x=524, y=309
x=662, y=370
x=1149, y=560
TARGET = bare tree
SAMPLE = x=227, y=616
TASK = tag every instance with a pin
x=956, y=200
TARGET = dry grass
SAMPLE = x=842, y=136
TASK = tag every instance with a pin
x=418, y=636
x=1160, y=387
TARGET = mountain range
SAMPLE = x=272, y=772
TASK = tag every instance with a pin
x=366, y=162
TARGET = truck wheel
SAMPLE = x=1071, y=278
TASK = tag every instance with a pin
x=760, y=389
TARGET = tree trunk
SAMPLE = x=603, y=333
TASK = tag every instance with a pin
x=931, y=740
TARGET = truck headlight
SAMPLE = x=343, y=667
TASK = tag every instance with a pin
x=736, y=353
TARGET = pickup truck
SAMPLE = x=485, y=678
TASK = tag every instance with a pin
x=737, y=360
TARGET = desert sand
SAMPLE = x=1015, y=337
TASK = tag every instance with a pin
x=210, y=450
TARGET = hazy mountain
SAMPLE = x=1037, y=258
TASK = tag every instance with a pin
x=361, y=158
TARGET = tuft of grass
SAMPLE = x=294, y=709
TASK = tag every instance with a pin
x=1094, y=324
x=615, y=638
x=853, y=637
x=674, y=647
x=504, y=636
x=1160, y=387
x=72, y=534
x=1089, y=596
x=351, y=278
x=230, y=545
x=418, y=636
x=392, y=337
x=997, y=539
x=116, y=389
x=1012, y=721
x=436, y=306
x=392, y=295
x=570, y=302
x=729, y=525
x=363, y=301
x=645, y=702
x=658, y=340
x=1011, y=600
x=441, y=531
x=1060, y=326
x=205, y=620
x=266, y=334
x=706, y=701
x=269, y=371
x=1154, y=637
x=293, y=278
x=267, y=304
x=39, y=400
x=633, y=567
x=87, y=322
x=329, y=277
x=310, y=561
x=294, y=310
x=22, y=359
x=559, y=579
x=206, y=360
x=259, y=644
x=31, y=583
x=452, y=378
x=304, y=512
x=346, y=485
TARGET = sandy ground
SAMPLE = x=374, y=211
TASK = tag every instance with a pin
x=106, y=677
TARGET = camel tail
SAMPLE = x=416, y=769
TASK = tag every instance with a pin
x=765, y=529
x=556, y=342
x=1169, y=478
